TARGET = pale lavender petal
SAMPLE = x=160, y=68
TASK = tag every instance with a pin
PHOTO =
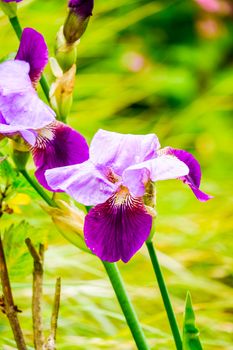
x=116, y=231
x=20, y=105
x=14, y=77
x=120, y=151
x=58, y=145
x=164, y=167
x=193, y=179
x=33, y=50
x=29, y=136
x=84, y=182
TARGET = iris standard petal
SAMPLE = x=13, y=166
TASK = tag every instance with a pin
x=33, y=50
x=115, y=231
x=20, y=105
x=84, y=182
x=119, y=151
x=164, y=167
x=58, y=145
x=193, y=179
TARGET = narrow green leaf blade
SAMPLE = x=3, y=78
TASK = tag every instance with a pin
x=191, y=339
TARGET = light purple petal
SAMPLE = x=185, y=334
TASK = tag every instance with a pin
x=116, y=231
x=84, y=182
x=20, y=105
x=58, y=145
x=119, y=151
x=14, y=77
x=164, y=167
x=33, y=50
x=193, y=179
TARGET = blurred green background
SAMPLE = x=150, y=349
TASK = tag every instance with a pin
x=143, y=66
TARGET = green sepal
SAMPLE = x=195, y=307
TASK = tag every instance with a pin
x=10, y=9
x=191, y=339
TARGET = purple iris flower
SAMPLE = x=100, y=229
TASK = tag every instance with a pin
x=115, y=179
x=53, y=144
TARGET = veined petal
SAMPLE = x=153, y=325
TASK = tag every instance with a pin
x=84, y=182
x=58, y=145
x=20, y=105
x=33, y=50
x=164, y=167
x=117, y=228
x=120, y=151
x=193, y=179
x=14, y=77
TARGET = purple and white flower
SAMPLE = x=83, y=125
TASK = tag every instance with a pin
x=22, y=112
x=115, y=180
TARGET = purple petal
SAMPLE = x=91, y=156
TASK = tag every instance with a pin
x=84, y=182
x=115, y=231
x=58, y=145
x=193, y=179
x=120, y=151
x=164, y=167
x=11, y=0
x=20, y=105
x=82, y=7
x=33, y=50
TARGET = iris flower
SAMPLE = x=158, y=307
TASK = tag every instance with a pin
x=116, y=180
x=53, y=144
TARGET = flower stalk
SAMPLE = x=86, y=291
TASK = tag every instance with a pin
x=126, y=306
x=165, y=295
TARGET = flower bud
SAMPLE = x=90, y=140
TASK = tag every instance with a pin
x=20, y=152
x=66, y=54
x=61, y=93
x=70, y=222
x=77, y=20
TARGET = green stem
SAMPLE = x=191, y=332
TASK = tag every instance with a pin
x=165, y=295
x=38, y=189
x=126, y=306
x=18, y=30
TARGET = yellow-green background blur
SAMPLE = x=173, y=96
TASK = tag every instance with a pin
x=144, y=66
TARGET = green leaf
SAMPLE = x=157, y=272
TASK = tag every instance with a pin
x=19, y=261
x=191, y=339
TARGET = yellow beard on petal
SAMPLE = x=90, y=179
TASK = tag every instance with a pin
x=122, y=195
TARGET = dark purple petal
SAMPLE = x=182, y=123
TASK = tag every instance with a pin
x=119, y=151
x=11, y=0
x=33, y=50
x=117, y=228
x=193, y=179
x=82, y=7
x=58, y=145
